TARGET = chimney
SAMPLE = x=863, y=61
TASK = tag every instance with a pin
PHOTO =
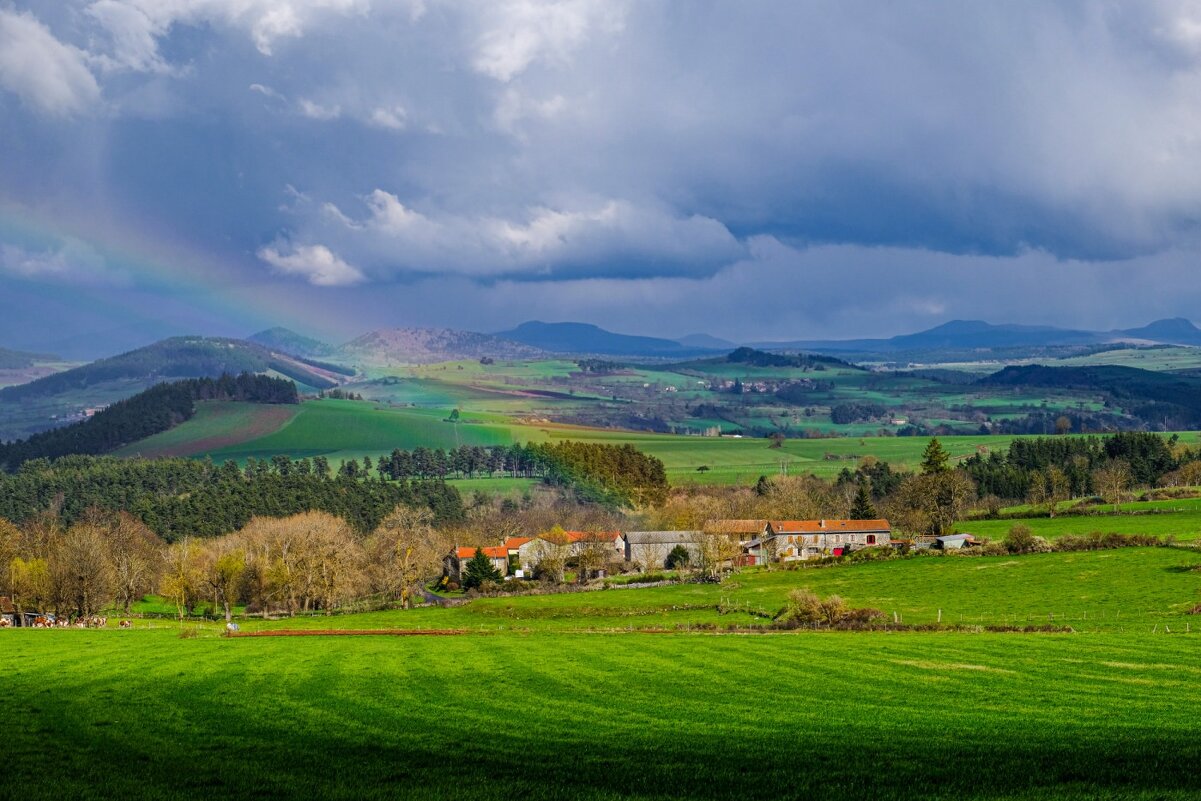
x=821, y=523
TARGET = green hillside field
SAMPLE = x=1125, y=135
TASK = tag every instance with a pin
x=341, y=430
x=561, y=697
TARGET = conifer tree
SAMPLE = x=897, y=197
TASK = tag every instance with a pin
x=935, y=458
x=479, y=570
x=862, y=508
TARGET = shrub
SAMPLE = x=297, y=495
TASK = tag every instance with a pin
x=1021, y=540
x=994, y=548
x=804, y=606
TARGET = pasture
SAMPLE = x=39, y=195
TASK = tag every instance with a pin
x=1170, y=518
x=143, y=714
x=341, y=430
x=562, y=697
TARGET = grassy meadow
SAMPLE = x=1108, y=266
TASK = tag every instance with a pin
x=560, y=697
x=341, y=430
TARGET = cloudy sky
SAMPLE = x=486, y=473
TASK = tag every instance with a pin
x=752, y=170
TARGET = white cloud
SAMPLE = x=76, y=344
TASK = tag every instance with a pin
x=316, y=111
x=517, y=33
x=583, y=236
x=316, y=263
x=390, y=118
x=67, y=261
x=42, y=70
x=136, y=25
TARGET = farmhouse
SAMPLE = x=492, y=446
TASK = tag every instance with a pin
x=793, y=540
x=651, y=548
x=745, y=530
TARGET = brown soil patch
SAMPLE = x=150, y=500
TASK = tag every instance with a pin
x=266, y=420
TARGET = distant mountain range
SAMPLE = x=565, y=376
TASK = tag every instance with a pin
x=979, y=335
x=583, y=338
x=429, y=345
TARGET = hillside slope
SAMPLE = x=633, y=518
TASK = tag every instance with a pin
x=430, y=345
x=286, y=340
x=591, y=339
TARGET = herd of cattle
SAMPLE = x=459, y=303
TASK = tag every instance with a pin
x=51, y=622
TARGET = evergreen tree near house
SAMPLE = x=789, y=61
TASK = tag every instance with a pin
x=862, y=508
x=479, y=569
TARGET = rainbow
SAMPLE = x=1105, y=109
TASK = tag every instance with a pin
x=147, y=264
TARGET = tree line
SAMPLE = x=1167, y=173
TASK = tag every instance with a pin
x=618, y=474
x=179, y=498
x=311, y=561
x=150, y=412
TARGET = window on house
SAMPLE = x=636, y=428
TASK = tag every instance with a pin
x=871, y=539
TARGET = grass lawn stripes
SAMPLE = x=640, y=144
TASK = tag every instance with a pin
x=139, y=715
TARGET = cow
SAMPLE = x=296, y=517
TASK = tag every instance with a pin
x=127, y=624
x=5, y=622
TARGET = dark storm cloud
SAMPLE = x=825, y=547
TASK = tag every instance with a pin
x=842, y=167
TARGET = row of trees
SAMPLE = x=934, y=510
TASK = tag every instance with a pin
x=300, y=563
x=179, y=498
x=619, y=474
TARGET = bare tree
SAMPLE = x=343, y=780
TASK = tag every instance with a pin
x=135, y=558
x=80, y=571
x=405, y=552
x=181, y=579
x=222, y=565
x=1112, y=480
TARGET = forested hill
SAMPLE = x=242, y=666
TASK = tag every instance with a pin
x=178, y=357
x=759, y=358
x=16, y=360
x=189, y=497
x=1163, y=399
x=157, y=409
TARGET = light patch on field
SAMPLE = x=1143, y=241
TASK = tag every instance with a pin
x=1128, y=680
x=1152, y=666
x=1010, y=563
x=949, y=666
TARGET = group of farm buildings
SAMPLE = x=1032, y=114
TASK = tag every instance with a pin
x=758, y=542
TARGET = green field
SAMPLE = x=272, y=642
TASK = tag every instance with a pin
x=1181, y=520
x=556, y=697
x=342, y=430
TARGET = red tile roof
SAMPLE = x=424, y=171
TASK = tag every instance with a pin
x=493, y=552
x=513, y=543
x=827, y=526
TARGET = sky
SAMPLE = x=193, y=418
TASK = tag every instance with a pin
x=758, y=170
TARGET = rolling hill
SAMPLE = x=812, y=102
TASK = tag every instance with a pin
x=429, y=345
x=16, y=360
x=69, y=396
x=288, y=341
x=178, y=357
x=1168, y=399
x=590, y=339
x=967, y=336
